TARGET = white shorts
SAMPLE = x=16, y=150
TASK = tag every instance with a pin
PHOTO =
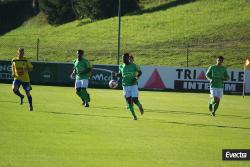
x=130, y=91
x=82, y=83
x=216, y=92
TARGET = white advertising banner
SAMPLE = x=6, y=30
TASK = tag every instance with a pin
x=193, y=79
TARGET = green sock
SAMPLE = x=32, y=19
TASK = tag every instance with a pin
x=210, y=105
x=84, y=95
x=138, y=103
x=131, y=108
x=88, y=97
x=80, y=95
x=215, y=106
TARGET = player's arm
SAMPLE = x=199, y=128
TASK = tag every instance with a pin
x=29, y=66
x=87, y=69
x=12, y=69
x=118, y=74
x=226, y=76
x=73, y=74
x=209, y=74
x=139, y=72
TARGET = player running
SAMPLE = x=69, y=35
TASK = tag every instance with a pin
x=216, y=74
x=82, y=71
x=130, y=73
x=20, y=72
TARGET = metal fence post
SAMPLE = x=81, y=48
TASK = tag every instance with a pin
x=37, y=49
x=187, y=53
x=119, y=32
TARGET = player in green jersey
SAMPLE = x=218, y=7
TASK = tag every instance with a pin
x=216, y=74
x=82, y=71
x=130, y=73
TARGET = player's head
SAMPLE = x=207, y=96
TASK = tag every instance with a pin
x=125, y=58
x=20, y=52
x=79, y=54
x=220, y=60
x=131, y=59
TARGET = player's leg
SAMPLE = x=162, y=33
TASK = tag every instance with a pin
x=127, y=106
x=15, y=87
x=88, y=97
x=127, y=92
x=84, y=93
x=27, y=87
x=216, y=103
x=135, y=99
x=217, y=98
x=211, y=100
x=84, y=96
x=79, y=90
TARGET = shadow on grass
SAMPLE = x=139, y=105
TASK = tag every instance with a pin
x=151, y=119
x=194, y=113
x=85, y=114
x=205, y=125
x=175, y=112
x=164, y=6
x=10, y=101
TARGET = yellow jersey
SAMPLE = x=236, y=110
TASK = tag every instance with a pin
x=21, y=68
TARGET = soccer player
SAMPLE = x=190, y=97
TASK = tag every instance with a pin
x=82, y=71
x=216, y=74
x=130, y=73
x=131, y=60
x=20, y=72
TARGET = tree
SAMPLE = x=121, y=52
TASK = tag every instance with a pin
x=58, y=11
x=61, y=11
x=99, y=9
x=13, y=13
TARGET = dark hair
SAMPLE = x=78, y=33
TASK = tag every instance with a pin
x=220, y=57
x=20, y=49
x=80, y=51
x=126, y=55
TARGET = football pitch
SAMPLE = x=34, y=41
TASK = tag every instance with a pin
x=175, y=131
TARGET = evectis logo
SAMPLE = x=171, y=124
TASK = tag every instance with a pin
x=236, y=154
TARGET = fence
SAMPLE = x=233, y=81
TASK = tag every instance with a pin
x=153, y=77
x=171, y=53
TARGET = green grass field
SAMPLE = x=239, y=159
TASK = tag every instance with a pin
x=158, y=35
x=175, y=131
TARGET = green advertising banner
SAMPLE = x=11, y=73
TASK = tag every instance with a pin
x=45, y=73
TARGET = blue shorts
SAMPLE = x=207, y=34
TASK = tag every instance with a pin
x=26, y=85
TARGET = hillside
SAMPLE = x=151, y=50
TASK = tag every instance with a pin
x=158, y=35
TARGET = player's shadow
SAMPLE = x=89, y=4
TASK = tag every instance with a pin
x=164, y=6
x=85, y=114
x=205, y=125
x=160, y=111
x=151, y=119
x=9, y=101
x=192, y=113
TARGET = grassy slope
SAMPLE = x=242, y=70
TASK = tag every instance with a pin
x=155, y=37
x=173, y=131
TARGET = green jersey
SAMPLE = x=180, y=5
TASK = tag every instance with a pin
x=128, y=73
x=217, y=75
x=81, y=69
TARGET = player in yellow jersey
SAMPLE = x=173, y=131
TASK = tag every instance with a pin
x=20, y=72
